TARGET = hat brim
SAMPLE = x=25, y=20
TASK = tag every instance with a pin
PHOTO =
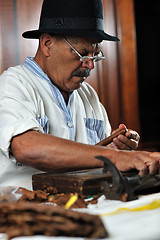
x=91, y=34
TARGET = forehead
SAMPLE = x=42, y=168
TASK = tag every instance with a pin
x=90, y=44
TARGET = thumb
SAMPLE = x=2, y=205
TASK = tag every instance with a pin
x=121, y=126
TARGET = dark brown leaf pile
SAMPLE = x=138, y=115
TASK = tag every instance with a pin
x=28, y=219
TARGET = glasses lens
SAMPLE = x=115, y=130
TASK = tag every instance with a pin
x=100, y=56
x=86, y=59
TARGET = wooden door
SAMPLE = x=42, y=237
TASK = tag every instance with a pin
x=16, y=17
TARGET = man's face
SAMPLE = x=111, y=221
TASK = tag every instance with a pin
x=63, y=66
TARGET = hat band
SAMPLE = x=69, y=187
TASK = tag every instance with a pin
x=71, y=23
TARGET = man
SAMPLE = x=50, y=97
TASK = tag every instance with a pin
x=50, y=118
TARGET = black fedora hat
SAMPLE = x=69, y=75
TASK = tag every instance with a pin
x=82, y=18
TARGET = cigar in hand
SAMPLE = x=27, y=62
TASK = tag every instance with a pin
x=109, y=139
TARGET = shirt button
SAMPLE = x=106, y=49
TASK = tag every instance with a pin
x=69, y=124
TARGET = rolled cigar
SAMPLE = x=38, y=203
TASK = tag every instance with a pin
x=109, y=139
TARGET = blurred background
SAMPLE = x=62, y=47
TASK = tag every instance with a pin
x=128, y=82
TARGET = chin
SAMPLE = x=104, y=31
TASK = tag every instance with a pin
x=79, y=85
x=75, y=87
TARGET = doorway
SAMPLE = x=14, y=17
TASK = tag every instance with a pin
x=147, y=17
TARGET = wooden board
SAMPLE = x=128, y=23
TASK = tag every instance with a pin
x=87, y=182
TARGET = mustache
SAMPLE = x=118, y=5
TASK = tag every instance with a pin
x=81, y=73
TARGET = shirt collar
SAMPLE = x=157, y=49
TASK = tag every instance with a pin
x=35, y=68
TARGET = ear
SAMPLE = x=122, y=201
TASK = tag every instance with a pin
x=45, y=43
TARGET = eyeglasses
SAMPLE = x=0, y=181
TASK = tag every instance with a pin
x=100, y=56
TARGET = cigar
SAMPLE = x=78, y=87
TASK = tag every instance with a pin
x=109, y=139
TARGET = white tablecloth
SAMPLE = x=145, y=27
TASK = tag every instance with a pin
x=124, y=225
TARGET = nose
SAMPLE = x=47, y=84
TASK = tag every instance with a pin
x=88, y=64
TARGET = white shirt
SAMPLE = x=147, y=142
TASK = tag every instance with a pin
x=28, y=100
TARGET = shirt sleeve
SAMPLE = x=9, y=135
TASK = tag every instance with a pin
x=19, y=105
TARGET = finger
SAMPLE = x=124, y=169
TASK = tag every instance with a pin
x=143, y=171
x=152, y=166
x=112, y=145
x=156, y=156
x=132, y=144
x=139, y=164
x=142, y=168
x=120, y=144
x=127, y=143
x=132, y=135
x=153, y=169
x=121, y=126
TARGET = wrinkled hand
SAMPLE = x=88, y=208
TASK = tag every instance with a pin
x=128, y=142
x=156, y=156
x=144, y=162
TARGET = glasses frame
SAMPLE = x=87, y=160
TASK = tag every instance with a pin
x=83, y=58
